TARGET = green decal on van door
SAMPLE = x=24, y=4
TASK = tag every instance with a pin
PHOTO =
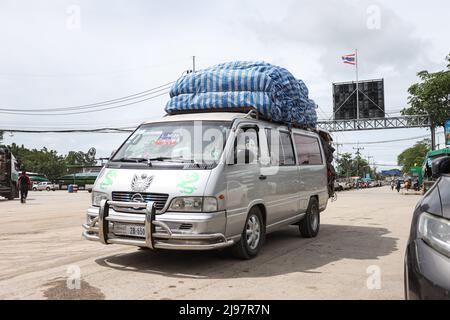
x=108, y=179
x=186, y=185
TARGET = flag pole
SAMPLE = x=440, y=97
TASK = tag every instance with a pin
x=357, y=85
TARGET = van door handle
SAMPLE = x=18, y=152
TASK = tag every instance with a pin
x=262, y=177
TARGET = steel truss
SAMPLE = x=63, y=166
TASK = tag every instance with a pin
x=375, y=123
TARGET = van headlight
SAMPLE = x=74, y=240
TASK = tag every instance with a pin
x=194, y=204
x=435, y=232
x=97, y=197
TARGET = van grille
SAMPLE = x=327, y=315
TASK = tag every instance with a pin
x=159, y=198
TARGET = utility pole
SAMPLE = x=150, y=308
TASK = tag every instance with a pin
x=433, y=137
x=358, y=157
x=193, y=63
x=336, y=160
x=368, y=158
x=357, y=85
x=337, y=149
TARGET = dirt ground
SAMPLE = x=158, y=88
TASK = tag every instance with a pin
x=357, y=255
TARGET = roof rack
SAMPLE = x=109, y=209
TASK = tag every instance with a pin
x=253, y=114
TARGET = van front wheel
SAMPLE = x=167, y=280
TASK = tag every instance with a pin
x=252, y=237
x=310, y=224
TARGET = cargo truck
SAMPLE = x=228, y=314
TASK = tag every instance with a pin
x=9, y=174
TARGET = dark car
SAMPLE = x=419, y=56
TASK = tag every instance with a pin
x=427, y=259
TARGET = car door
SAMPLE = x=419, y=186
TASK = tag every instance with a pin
x=282, y=195
x=242, y=176
x=312, y=168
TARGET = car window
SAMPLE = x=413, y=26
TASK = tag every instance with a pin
x=308, y=150
x=281, y=150
x=247, y=139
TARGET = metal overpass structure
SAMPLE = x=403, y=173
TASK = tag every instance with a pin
x=375, y=123
x=401, y=122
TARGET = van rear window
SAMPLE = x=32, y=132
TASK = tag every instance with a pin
x=308, y=150
x=281, y=149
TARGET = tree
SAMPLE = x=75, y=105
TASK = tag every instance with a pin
x=414, y=156
x=347, y=166
x=43, y=161
x=49, y=162
x=1, y=137
x=361, y=167
x=431, y=96
x=344, y=165
x=77, y=159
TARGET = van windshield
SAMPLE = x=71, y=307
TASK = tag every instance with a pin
x=180, y=141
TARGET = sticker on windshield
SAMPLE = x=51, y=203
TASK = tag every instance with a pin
x=108, y=180
x=186, y=185
x=168, y=138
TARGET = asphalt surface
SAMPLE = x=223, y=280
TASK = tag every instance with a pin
x=357, y=255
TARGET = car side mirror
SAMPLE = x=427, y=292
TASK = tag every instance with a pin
x=440, y=166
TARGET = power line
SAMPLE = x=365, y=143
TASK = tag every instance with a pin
x=88, y=111
x=387, y=141
x=91, y=105
x=97, y=130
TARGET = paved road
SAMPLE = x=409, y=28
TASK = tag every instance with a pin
x=363, y=234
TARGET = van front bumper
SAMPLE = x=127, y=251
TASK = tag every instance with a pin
x=206, y=230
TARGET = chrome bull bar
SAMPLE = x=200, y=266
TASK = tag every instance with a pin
x=149, y=226
x=150, y=223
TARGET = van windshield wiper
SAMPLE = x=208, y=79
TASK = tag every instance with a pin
x=148, y=160
x=136, y=160
x=164, y=158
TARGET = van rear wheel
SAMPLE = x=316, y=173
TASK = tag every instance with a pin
x=310, y=224
x=252, y=238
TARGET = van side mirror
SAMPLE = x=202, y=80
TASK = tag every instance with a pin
x=440, y=166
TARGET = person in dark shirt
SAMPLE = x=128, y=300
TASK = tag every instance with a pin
x=24, y=185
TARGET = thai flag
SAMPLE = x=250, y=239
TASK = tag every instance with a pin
x=349, y=59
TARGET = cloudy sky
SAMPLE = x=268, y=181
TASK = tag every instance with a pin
x=57, y=54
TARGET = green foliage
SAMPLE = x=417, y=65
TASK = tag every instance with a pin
x=414, y=156
x=431, y=96
x=78, y=159
x=347, y=166
x=49, y=162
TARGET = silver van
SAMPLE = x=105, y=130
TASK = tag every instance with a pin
x=204, y=181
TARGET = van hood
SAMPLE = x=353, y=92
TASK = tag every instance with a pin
x=173, y=182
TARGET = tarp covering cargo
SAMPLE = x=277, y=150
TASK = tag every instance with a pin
x=240, y=86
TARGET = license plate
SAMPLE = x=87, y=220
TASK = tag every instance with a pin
x=133, y=230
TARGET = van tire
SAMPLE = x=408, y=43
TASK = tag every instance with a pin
x=242, y=249
x=309, y=226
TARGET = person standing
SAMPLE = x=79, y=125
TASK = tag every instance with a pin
x=392, y=185
x=24, y=185
x=399, y=185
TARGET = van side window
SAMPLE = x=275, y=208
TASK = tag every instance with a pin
x=281, y=150
x=308, y=150
x=246, y=146
x=288, y=149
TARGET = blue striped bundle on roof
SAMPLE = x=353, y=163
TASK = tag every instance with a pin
x=240, y=86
